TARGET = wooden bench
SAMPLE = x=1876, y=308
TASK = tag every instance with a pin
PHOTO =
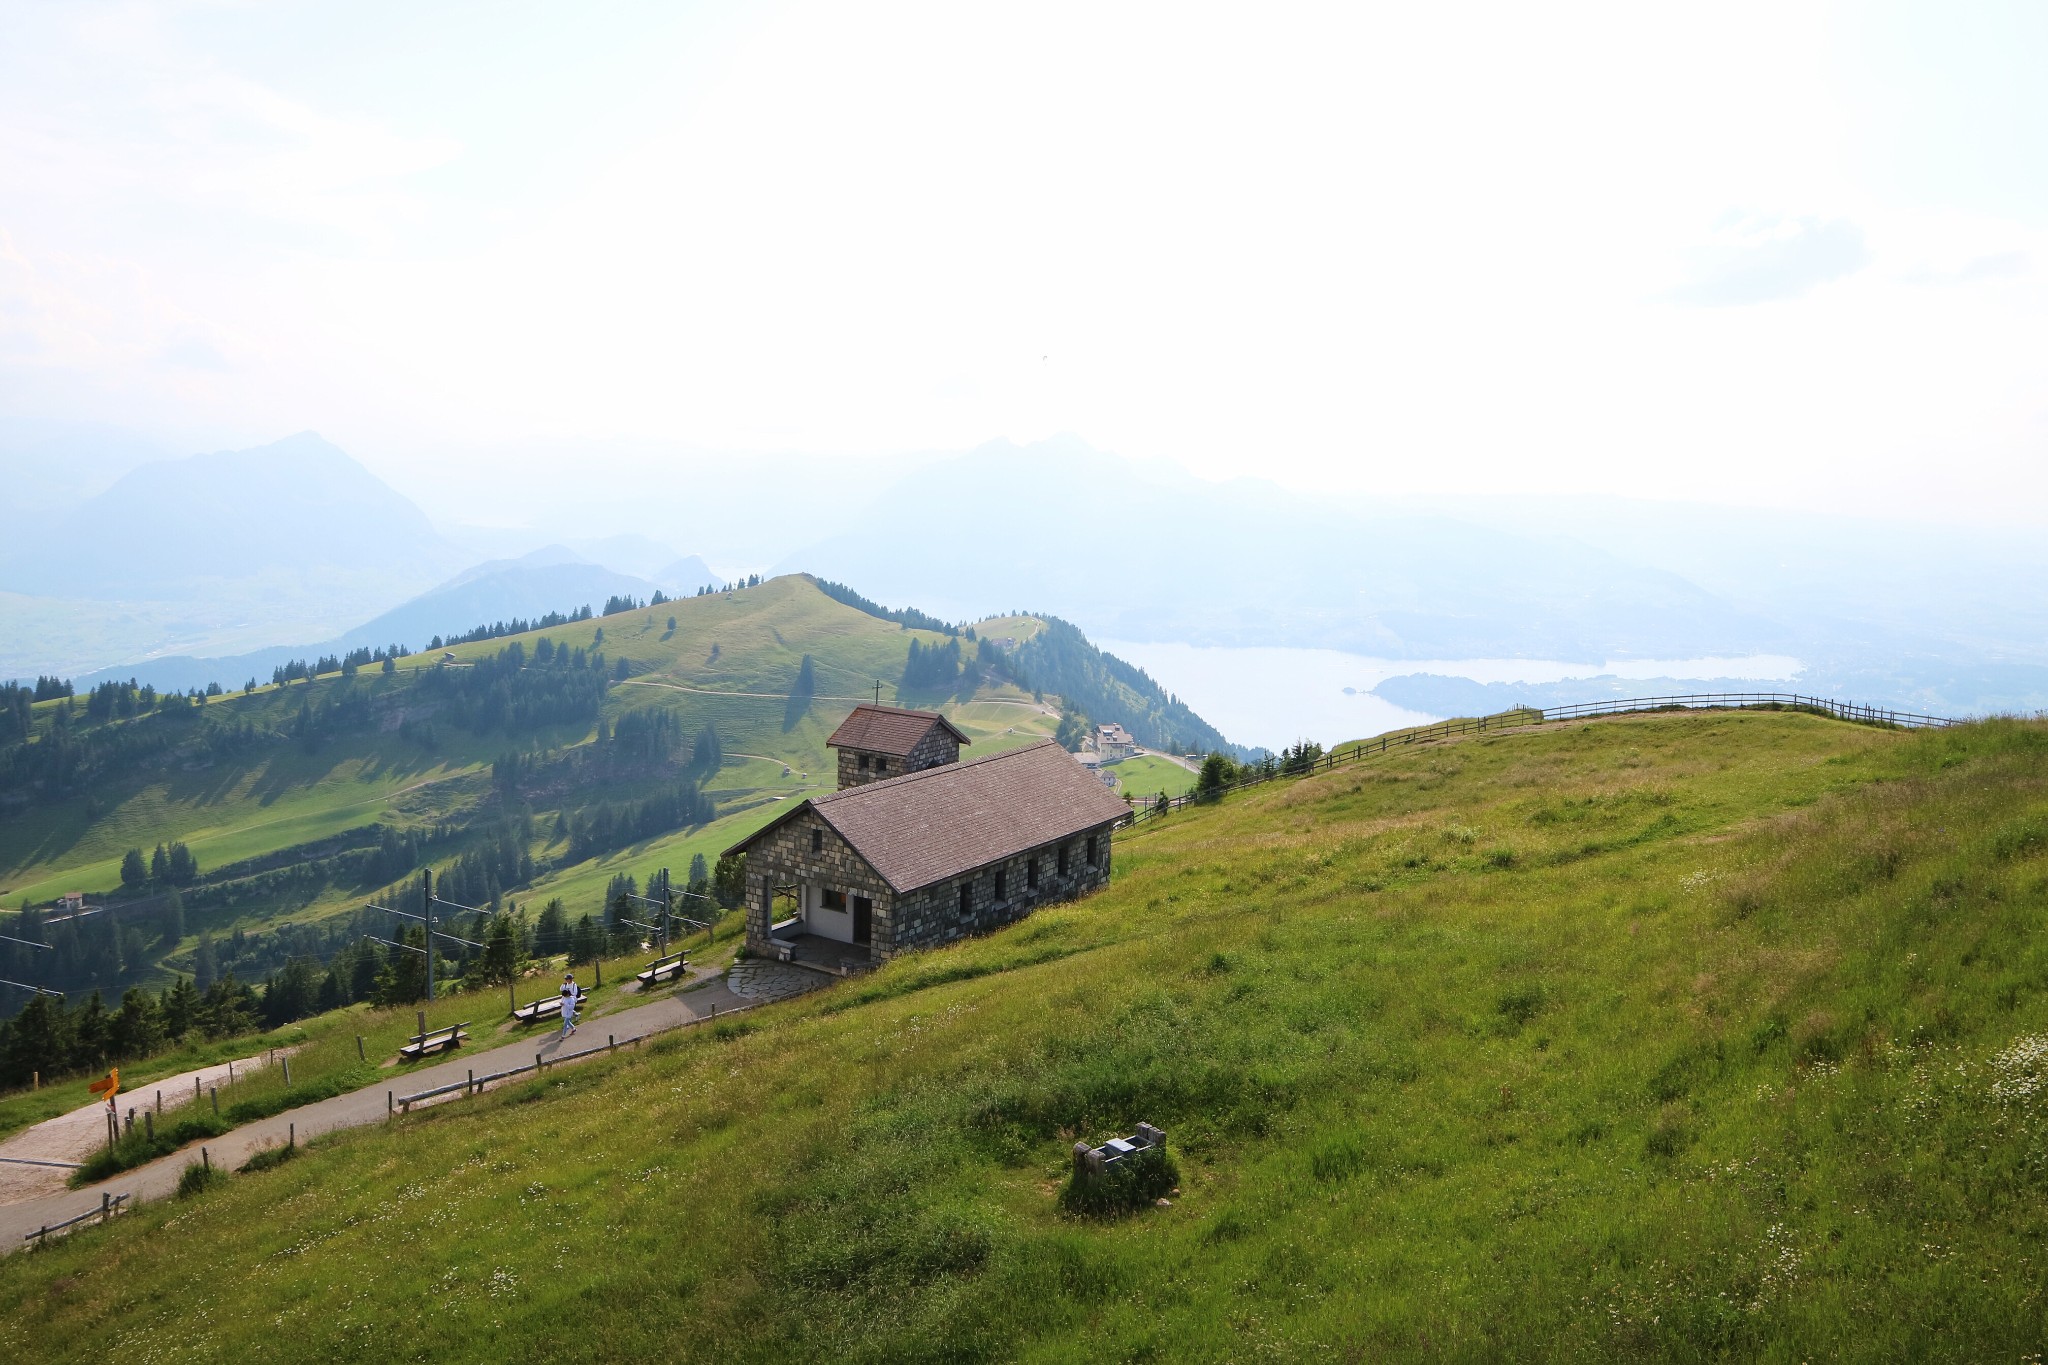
x=670, y=968
x=427, y=1043
x=547, y=1007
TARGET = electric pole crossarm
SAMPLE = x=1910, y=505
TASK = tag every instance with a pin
x=24, y=986
x=438, y=933
x=389, y=944
x=656, y=900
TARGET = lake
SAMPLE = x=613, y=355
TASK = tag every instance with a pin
x=1274, y=696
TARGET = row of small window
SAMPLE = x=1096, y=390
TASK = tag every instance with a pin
x=1002, y=874
x=881, y=763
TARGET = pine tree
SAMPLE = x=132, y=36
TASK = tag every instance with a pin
x=586, y=941
x=551, y=931
x=134, y=872
x=181, y=868
x=404, y=978
x=205, y=964
x=500, y=962
x=180, y=1009
x=729, y=879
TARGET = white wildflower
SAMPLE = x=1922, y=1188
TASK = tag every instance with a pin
x=2022, y=1068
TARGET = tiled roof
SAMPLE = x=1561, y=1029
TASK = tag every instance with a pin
x=928, y=826
x=888, y=729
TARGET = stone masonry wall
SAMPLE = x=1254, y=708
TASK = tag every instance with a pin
x=783, y=857
x=936, y=748
x=932, y=916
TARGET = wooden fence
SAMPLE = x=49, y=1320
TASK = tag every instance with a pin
x=1528, y=717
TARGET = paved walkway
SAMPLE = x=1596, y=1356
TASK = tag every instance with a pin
x=69, y=1139
x=766, y=981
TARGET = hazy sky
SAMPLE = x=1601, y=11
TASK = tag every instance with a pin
x=1782, y=253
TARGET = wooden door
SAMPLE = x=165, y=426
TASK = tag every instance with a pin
x=863, y=919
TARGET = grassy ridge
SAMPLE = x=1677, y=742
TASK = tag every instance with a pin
x=728, y=663
x=281, y=793
x=1681, y=1036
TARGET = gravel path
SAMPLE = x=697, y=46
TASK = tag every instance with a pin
x=362, y=1107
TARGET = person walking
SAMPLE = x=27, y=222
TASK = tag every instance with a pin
x=572, y=996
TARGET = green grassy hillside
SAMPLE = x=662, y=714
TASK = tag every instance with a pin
x=248, y=777
x=1683, y=1036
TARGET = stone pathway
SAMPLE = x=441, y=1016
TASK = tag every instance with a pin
x=767, y=982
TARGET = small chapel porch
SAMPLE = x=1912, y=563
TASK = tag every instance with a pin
x=821, y=927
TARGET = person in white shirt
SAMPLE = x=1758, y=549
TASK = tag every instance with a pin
x=572, y=996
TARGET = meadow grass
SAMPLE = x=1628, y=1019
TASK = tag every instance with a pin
x=1148, y=775
x=1676, y=1037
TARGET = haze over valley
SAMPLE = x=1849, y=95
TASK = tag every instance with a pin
x=919, y=682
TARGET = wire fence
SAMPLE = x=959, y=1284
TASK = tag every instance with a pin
x=1528, y=717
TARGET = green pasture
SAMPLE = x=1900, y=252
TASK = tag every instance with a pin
x=1148, y=775
x=1693, y=1037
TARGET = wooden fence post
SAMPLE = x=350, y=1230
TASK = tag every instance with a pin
x=216, y=1100
x=204, y=1159
x=287, y=1072
x=360, y=1055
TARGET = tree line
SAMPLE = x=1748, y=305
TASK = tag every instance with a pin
x=619, y=602
x=501, y=693
x=174, y=866
x=518, y=625
x=347, y=665
x=910, y=618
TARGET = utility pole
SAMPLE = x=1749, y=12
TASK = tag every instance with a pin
x=878, y=691
x=427, y=914
x=428, y=900
x=667, y=909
